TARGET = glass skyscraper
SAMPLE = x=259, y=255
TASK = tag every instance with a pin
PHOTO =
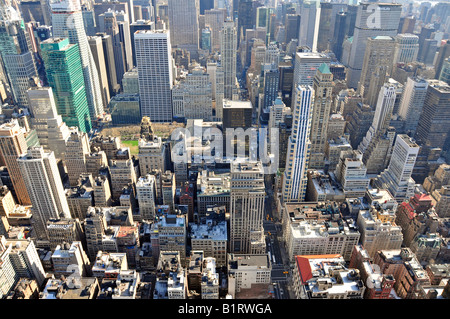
x=65, y=76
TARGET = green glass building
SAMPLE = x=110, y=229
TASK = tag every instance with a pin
x=65, y=76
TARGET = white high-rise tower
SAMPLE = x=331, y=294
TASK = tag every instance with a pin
x=43, y=182
x=154, y=64
x=382, y=117
x=67, y=21
x=228, y=48
x=295, y=178
x=397, y=177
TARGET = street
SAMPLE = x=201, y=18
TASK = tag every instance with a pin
x=280, y=266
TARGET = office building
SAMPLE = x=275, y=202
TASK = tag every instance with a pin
x=247, y=208
x=172, y=235
x=19, y=260
x=110, y=24
x=184, y=24
x=135, y=26
x=65, y=76
x=382, y=116
x=45, y=189
x=403, y=265
x=52, y=132
x=386, y=24
x=382, y=285
x=228, y=59
x=309, y=24
x=312, y=237
x=297, y=155
x=70, y=10
x=151, y=150
x=108, y=265
x=305, y=68
x=432, y=129
x=146, y=196
x=122, y=173
x=213, y=190
x=17, y=54
x=108, y=52
x=445, y=71
x=195, y=94
x=214, y=19
x=340, y=31
x=406, y=48
x=412, y=102
x=154, y=64
x=125, y=109
x=320, y=115
x=352, y=174
x=397, y=177
x=379, y=52
x=210, y=279
x=13, y=145
x=77, y=147
x=98, y=54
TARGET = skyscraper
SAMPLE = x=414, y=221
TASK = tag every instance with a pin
x=43, y=182
x=214, y=19
x=373, y=19
x=309, y=24
x=12, y=146
x=16, y=53
x=154, y=63
x=65, y=76
x=245, y=18
x=328, y=15
x=406, y=48
x=305, y=68
x=292, y=25
x=50, y=128
x=109, y=24
x=228, y=48
x=382, y=117
x=379, y=52
x=397, y=177
x=67, y=21
x=183, y=25
x=247, y=194
x=77, y=148
x=321, y=109
x=297, y=155
x=96, y=45
x=412, y=102
x=432, y=130
x=339, y=33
